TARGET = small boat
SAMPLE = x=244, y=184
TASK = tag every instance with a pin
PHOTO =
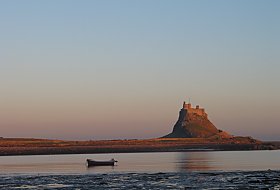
x=101, y=163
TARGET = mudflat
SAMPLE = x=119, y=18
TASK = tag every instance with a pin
x=30, y=146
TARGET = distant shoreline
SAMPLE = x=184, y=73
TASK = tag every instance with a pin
x=23, y=146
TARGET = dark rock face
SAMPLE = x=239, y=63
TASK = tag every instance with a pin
x=194, y=124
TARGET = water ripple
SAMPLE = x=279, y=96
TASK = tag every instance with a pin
x=192, y=180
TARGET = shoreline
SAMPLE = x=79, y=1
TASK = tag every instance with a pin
x=20, y=146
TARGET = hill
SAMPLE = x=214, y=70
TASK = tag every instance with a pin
x=194, y=123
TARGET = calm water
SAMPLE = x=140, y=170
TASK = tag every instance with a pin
x=167, y=170
x=143, y=162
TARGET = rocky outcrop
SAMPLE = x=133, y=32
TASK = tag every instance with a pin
x=194, y=123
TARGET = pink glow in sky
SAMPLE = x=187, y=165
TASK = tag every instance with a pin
x=121, y=69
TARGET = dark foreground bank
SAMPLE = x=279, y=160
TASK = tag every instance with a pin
x=191, y=180
x=17, y=146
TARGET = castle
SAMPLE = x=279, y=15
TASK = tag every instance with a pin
x=194, y=123
x=196, y=110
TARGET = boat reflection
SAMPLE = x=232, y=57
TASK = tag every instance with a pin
x=194, y=161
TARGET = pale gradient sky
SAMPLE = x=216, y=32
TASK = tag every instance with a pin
x=121, y=69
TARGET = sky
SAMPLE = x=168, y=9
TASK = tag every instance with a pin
x=81, y=70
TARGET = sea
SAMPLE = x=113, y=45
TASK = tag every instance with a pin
x=158, y=170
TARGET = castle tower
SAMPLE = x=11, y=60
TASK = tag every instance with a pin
x=187, y=106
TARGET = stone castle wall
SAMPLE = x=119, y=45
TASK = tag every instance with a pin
x=196, y=110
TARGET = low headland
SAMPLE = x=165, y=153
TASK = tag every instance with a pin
x=193, y=131
x=25, y=146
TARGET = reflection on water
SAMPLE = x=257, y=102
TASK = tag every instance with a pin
x=143, y=162
x=193, y=161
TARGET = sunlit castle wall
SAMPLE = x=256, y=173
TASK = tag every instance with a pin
x=197, y=110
